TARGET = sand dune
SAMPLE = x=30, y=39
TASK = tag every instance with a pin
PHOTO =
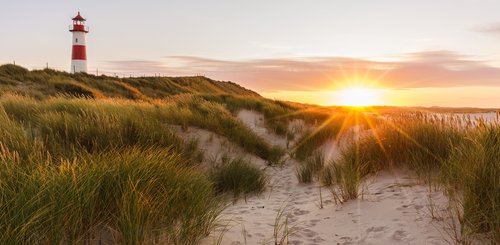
x=394, y=208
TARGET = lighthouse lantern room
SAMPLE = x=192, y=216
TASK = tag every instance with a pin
x=79, y=51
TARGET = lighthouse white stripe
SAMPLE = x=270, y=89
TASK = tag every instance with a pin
x=78, y=66
x=79, y=38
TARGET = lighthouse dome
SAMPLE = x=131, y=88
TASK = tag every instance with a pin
x=79, y=17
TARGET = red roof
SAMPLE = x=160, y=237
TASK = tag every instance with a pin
x=79, y=17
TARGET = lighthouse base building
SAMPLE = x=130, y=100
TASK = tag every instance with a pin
x=79, y=51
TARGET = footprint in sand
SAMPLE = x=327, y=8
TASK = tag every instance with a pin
x=314, y=222
x=346, y=239
x=398, y=195
x=317, y=240
x=418, y=207
x=399, y=235
x=403, y=207
x=300, y=212
x=376, y=229
x=309, y=233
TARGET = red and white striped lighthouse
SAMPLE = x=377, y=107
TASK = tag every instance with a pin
x=79, y=53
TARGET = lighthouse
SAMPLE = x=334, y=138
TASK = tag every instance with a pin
x=79, y=51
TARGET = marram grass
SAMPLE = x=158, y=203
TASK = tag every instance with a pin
x=238, y=177
x=461, y=156
x=79, y=170
x=135, y=196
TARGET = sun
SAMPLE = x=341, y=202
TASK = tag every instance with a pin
x=358, y=97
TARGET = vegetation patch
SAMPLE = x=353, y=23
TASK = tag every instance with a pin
x=238, y=177
x=310, y=169
x=456, y=154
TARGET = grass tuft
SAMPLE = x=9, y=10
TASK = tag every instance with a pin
x=310, y=169
x=238, y=177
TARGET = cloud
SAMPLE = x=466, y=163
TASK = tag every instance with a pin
x=413, y=70
x=493, y=28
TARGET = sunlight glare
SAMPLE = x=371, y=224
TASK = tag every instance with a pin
x=359, y=96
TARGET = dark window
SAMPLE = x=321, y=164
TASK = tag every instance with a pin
x=76, y=40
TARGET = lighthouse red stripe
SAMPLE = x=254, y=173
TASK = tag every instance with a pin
x=79, y=52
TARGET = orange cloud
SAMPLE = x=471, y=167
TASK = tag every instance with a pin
x=439, y=69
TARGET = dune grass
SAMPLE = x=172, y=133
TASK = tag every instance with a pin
x=141, y=194
x=344, y=176
x=191, y=110
x=329, y=125
x=87, y=158
x=238, y=177
x=473, y=172
x=310, y=169
x=68, y=123
x=96, y=169
x=276, y=113
x=462, y=157
x=77, y=170
x=42, y=84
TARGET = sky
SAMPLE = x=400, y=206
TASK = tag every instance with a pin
x=426, y=53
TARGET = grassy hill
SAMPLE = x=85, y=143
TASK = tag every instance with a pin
x=43, y=83
x=85, y=156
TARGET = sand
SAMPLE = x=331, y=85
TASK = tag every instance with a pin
x=394, y=208
x=215, y=146
x=255, y=121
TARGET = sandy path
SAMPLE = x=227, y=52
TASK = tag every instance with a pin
x=255, y=121
x=393, y=210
